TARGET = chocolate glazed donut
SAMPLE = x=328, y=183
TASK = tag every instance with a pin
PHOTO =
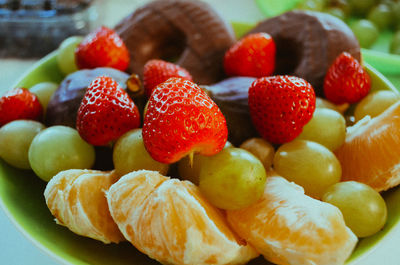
x=308, y=43
x=190, y=32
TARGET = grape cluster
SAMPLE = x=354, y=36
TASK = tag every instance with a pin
x=367, y=18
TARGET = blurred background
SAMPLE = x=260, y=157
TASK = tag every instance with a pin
x=30, y=29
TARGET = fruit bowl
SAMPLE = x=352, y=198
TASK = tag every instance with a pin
x=21, y=197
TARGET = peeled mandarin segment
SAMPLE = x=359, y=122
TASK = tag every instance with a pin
x=170, y=221
x=55, y=195
x=130, y=192
x=288, y=227
x=371, y=151
x=77, y=200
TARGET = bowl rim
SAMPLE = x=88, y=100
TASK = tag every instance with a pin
x=30, y=238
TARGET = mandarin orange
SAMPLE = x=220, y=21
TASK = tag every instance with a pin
x=170, y=221
x=371, y=151
x=288, y=227
x=77, y=200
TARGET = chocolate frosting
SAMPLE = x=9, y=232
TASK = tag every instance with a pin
x=190, y=32
x=308, y=42
x=231, y=96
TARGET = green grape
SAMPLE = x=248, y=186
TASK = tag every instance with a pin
x=129, y=155
x=323, y=103
x=381, y=16
x=66, y=54
x=191, y=171
x=309, y=164
x=375, y=103
x=363, y=208
x=343, y=5
x=313, y=5
x=395, y=7
x=337, y=12
x=361, y=7
x=261, y=149
x=232, y=179
x=395, y=43
x=15, y=139
x=59, y=148
x=388, y=2
x=365, y=31
x=327, y=127
x=44, y=91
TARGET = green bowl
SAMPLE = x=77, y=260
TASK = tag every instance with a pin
x=377, y=56
x=21, y=196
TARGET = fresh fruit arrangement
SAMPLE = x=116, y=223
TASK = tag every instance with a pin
x=366, y=18
x=262, y=162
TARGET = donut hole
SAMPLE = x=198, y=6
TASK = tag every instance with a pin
x=288, y=55
x=172, y=46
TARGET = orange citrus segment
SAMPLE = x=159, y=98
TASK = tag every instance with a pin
x=371, y=151
x=170, y=221
x=133, y=193
x=77, y=200
x=289, y=227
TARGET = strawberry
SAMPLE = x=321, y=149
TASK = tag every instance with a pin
x=19, y=103
x=157, y=71
x=102, y=48
x=182, y=119
x=346, y=80
x=106, y=112
x=254, y=55
x=280, y=106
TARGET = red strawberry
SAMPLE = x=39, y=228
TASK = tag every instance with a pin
x=182, y=119
x=280, y=106
x=19, y=103
x=254, y=55
x=106, y=112
x=346, y=81
x=157, y=71
x=102, y=48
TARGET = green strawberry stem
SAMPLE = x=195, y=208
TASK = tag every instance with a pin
x=191, y=155
x=134, y=86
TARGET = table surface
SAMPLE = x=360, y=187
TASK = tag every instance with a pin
x=15, y=249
